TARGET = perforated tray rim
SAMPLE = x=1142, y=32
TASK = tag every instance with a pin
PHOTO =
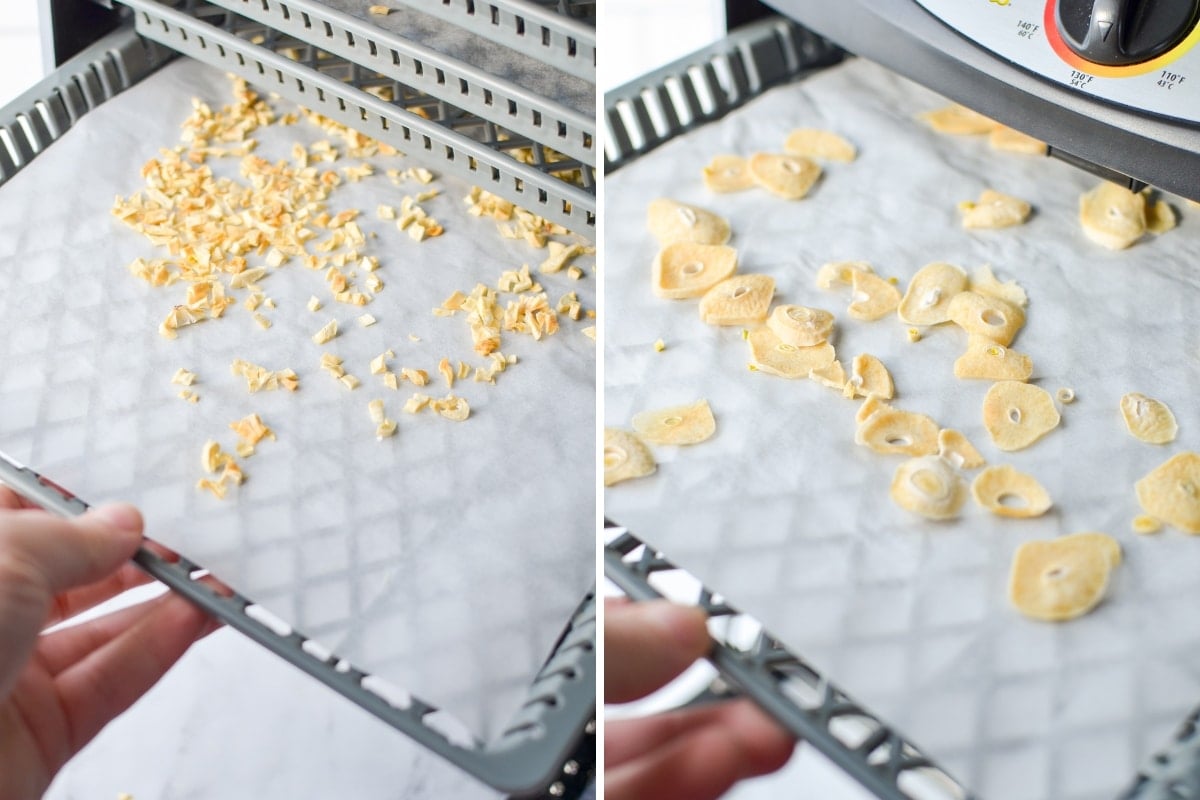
x=422, y=140
x=438, y=75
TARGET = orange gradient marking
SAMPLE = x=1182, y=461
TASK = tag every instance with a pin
x=1128, y=71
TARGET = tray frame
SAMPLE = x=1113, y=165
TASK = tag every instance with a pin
x=547, y=749
x=640, y=116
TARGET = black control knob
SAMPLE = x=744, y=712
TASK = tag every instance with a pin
x=1117, y=32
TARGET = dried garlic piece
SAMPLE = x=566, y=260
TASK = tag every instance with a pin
x=1171, y=492
x=687, y=269
x=251, y=429
x=211, y=457
x=1006, y=492
x=819, y=144
x=958, y=120
x=1013, y=141
x=385, y=429
x=929, y=486
x=775, y=357
x=689, y=424
x=183, y=377
x=868, y=408
x=833, y=376
x=1160, y=217
x=873, y=298
x=985, y=282
x=739, y=300
x=1061, y=579
x=986, y=360
x=1145, y=524
x=868, y=376
x=927, y=299
x=625, y=457
x=314, y=304
x=801, y=326
x=994, y=210
x=891, y=431
x=376, y=411
x=328, y=332
x=671, y=221
x=1018, y=414
x=379, y=11
x=986, y=316
x=1148, y=419
x=955, y=448
x=835, y=272
x=1113, y=216
x=1065, y=395
x=451, y=407
x=789, y=177
x=727, y=173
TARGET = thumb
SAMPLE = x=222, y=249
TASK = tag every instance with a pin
x=648, y=644
x=42, y=555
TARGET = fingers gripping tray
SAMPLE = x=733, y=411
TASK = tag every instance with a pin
x=440, y=559
x=789, y=519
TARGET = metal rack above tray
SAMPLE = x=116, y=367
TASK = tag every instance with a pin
x=423, y=124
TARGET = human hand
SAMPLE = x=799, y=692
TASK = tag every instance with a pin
x=58, y=690
x=696, y=753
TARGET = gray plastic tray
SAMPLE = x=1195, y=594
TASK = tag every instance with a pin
x=546, y=748
x=640, y=116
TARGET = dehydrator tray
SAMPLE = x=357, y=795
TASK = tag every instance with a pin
x=789, y=521
x=426, y=561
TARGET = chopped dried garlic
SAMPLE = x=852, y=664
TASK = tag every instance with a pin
x=366, y=320
x=328, y=332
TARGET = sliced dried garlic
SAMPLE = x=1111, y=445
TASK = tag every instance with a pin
x=789, y=177
x=1148, y=419
x=929, y=486
x=958, y=120
x=1171, y=492
x=687, y=269
x=986, y=360
x=688, y=424
x=1006, y=492
x=927, y=299
x=958, y=450
x=986, y=316
x=671, y=221
x=1065, y=395
x=833, y=376
x=625, y=457
x=994, y=210
x=869, y=406
x=985, y=282
x=775, y=357
x=727, y=173
x=835, y=272
x=1113, y=216
x=739, y=300
x=801, y=326
x=1018, y=414
x=1160, y=217
x=1060, y=579
x=1013, y=141
x=819, y=144
x=868, y=376
x=874, y=298
x=891, y=431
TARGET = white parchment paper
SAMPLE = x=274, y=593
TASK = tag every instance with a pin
x=784, y=515
x=446, y=559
